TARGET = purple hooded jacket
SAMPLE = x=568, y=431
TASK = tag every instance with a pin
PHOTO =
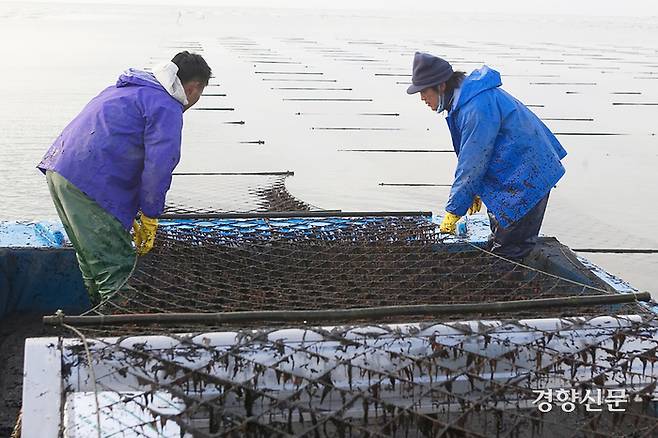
x=122, y=148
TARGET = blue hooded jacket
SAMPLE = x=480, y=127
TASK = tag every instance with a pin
x=122, y=148
x=505, y=153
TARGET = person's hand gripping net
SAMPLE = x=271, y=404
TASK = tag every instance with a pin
x=449, y=223
x=144, y=230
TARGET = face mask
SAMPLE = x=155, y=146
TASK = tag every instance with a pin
x=442, y=104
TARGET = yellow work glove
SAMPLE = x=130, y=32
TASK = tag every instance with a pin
x=449, y=223
x=144, y=234
x=476, y=207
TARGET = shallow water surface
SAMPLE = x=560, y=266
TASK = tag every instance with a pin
x=317, y=89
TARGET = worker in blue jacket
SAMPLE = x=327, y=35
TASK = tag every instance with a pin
x=506, y=157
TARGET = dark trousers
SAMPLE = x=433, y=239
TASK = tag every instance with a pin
x=517, y=241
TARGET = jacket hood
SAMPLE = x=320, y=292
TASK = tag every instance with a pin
x=138, y=78
x=479, y=80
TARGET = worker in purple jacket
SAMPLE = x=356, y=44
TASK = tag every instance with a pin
x=114, y=162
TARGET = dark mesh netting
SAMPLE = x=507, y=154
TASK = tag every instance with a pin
x=325, y=263
x=527, y=378
x=317, y=326
x=231, y=192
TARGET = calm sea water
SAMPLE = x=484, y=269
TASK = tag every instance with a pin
x=586, y=77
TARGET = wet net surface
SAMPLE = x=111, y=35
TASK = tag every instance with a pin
x=326, y=263
x=452, y=375
x=570, y=370
x=197, y=193
x=484, y=378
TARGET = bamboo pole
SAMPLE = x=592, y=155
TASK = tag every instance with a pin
x=349, y=314
x=284, y=173
x=617, y=250
x=294, y=214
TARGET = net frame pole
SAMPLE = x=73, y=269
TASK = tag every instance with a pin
x=283, y=173
x=295, y=214
x=348, y=314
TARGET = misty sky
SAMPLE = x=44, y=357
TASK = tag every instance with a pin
x=641, y=8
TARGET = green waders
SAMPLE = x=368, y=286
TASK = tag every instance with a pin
x=103, y=247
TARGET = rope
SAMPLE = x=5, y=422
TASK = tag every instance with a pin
x=539, y=271
x=91, y=370
x=18, y=427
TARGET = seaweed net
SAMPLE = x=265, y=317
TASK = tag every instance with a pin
x=199, y=193
x=459, y=374
x=525, y=378
x=569, y=370
x=229, y=265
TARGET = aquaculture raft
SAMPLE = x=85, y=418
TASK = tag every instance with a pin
x=465, y=372
x=261, y=321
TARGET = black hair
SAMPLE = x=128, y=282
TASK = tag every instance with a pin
x=453, y=82
x=192, y=67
